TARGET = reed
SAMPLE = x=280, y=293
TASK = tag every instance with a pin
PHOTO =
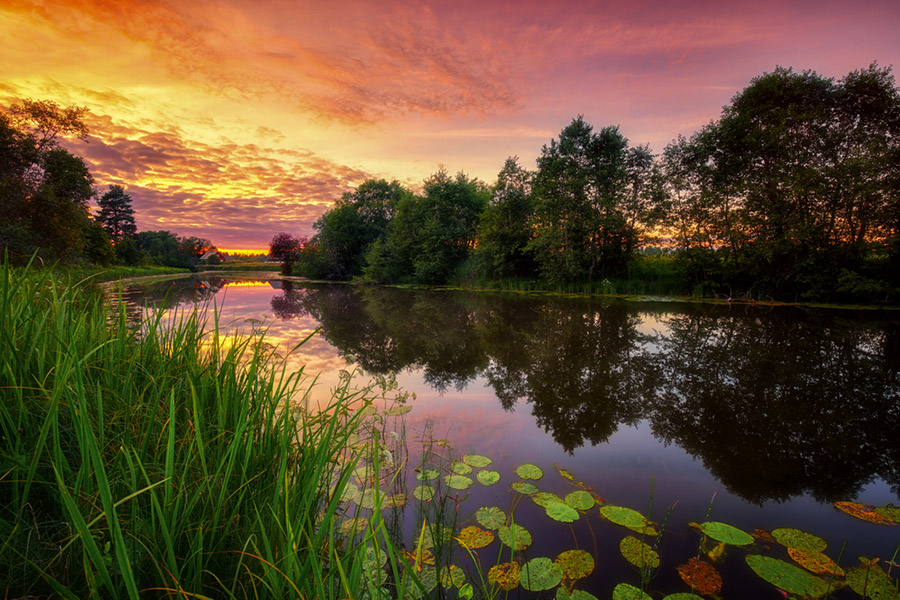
x=163, y=460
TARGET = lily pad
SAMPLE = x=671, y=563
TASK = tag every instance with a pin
x=891, y=512
x=488, y=477
x=563, y=594
x=506, y=576
x=865, y=512
x=540, y=574
x=397, y=500
x=458, y=482
x=701, y=576
x=794, y=538
x=351, y=493
x=427, y=578
x=545, y=499
x=529, y=471
x=870, y=581
x=524, y=488
x=490, y=517
x=476, y=460
x=396, y=411
x=442, y=533
x=625, y=591
x=816, y=562
x=474, y=537
x=786, y=576
x=638, y=553
x=423, y=492
x=576, y=564
x=515, y=536
x=627, y=517
x=722, y=532
x=452, y=576
x=428, y=474
x=460, y=468
x=580, y=500
x=562, y=512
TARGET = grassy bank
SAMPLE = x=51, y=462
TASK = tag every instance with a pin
x=163, y=461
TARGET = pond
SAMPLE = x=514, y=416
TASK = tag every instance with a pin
x=758, y=417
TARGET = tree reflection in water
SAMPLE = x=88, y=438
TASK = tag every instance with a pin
x=775, y=402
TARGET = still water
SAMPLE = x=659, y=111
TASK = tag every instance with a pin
x=758, y=417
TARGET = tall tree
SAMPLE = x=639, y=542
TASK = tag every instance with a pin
x=44, y=189
x=580, y=224
x=430, y=236
x=503, y=231
x=116, y=213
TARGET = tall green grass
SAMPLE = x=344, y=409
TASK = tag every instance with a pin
x=161, y=461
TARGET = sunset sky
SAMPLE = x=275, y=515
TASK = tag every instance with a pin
x=238, y=119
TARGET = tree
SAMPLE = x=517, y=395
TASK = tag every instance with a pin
x=284, y=247
x=503, y=228
x=44, y=189
x=580, y=224
x=430, y=236
x=116, y=213
x=798, y=181
x=348, y=229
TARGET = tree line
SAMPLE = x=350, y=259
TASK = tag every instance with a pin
x=793, y=193
x=45, y=192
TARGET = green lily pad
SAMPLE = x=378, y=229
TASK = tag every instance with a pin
x=427, y=578
x=870, y=581
x=545, y=499
x=638, y=553
x=428, y=474
x=423, y=492
x=540, y=574
x=524, y=488
x=722, y=532
x=458, y=482
x=563, y=594
x=476, y=460
x=506, y=576
x=529, y=471
x=396, y=411
x=786, y=576
x=629, y=518
x=891, y=512
x=460, y=468
x=794, y=538
x=515, y=536
x=442, y=533
x=580, y=500
x=490, y=517
x=452, y=576
x=576, y=564
x=474, y=537
x=624, y=591
x=488, y=477
x=351, y=493
x=560, y=511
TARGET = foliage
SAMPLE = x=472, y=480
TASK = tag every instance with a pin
x=164, y=248
x=503, y=228
x=116, y=213
x=581, y=230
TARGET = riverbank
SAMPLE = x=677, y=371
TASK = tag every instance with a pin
x=160, y=459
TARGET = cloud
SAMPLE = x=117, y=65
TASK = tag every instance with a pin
x=234, y=194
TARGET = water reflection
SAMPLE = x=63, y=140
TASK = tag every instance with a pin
x=775, y=402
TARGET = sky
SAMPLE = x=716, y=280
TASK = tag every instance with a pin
x=235, y=120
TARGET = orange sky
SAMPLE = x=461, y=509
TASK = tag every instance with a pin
x=237, y=119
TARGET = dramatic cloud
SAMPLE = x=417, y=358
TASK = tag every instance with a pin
x=243, y=117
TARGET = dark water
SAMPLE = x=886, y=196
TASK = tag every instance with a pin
x=775, y=413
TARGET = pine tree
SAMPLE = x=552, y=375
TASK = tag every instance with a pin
x=116, y=213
